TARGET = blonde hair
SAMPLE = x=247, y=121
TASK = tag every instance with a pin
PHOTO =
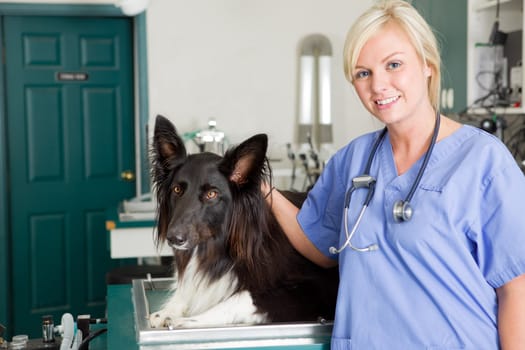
x=421, y=35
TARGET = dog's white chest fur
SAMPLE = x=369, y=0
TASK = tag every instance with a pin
x=198, y=302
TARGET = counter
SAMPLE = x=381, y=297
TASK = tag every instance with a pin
x=132, y=236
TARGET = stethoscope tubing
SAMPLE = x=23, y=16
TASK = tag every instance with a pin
x=426, y=159
x=368, y=181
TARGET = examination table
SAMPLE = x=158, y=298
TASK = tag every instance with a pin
x=122, y=329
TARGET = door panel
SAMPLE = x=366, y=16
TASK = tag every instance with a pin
x=70, y=135
x=45, y=151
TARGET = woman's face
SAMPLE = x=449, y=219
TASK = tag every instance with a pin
x=390, y=78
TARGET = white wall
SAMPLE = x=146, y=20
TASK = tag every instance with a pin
x=76, y=2
x=236, y=61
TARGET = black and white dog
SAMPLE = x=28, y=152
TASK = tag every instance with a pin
x=234, y=264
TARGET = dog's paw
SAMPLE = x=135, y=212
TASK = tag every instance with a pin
x=185, y=322
x=161, y=319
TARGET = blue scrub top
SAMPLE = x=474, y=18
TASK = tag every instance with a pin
x=430, y=285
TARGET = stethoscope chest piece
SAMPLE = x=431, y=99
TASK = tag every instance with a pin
x=402, y=211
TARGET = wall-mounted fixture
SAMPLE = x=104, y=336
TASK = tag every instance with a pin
x=132, y=7
x=315, y=95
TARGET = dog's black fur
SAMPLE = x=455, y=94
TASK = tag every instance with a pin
x=213, y=206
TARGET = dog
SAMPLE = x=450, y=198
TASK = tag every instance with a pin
x=233, y=263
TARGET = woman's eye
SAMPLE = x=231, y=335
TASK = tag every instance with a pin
x=362, y=74
x=178, y=190
x=212, y=194
x=394, y=65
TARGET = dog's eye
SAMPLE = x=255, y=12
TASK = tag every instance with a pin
x=177, y=189
x=212, y=194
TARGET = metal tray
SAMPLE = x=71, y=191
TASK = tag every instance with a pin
x=149, y=294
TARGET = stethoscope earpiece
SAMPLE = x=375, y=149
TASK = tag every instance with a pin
x=402, y=211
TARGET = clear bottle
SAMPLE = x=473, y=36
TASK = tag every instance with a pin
x=48, y=329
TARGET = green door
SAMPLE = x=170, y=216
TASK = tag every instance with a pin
x=70, y=136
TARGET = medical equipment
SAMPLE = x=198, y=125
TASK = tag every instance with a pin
x=71, y=336
x=210, y=139
x=402, y=210
x=3, y=343
x=48, y=329
x=291, y=156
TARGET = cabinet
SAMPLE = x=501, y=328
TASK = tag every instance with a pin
x=482, y=14
x=448, y=18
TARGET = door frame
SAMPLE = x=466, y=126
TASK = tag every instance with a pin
x=140, y=117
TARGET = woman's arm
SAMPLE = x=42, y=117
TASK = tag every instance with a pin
x=511, y=314
x=286, y=214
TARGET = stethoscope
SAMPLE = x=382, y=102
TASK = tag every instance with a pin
x=402, y=210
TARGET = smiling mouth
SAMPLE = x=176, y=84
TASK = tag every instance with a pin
x=387, y=101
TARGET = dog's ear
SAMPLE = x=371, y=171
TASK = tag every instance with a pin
x=246, y=162
x=167, y=144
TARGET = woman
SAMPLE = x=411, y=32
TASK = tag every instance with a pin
x=435, y=259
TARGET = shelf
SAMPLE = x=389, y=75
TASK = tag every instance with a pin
x=487, y=4
x=498, y=110
x=480, y=24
